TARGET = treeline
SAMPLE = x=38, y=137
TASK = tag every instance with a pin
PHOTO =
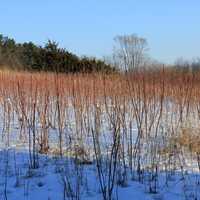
x=50, y=57
x=187, y=65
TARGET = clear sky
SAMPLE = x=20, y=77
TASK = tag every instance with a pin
x=87, y=27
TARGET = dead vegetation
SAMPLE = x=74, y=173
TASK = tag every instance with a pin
x=129, y=125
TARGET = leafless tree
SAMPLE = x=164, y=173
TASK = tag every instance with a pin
x=130, y=51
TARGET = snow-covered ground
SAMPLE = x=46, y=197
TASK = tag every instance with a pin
x=18, y=182
x=59, y=178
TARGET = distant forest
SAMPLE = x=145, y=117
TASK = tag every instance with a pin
x=50, y=57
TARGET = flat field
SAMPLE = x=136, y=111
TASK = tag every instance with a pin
x=96, y=136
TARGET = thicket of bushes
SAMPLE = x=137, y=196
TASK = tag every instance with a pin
x=50, y=57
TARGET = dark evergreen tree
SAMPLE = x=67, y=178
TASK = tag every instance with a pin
x=31, y=57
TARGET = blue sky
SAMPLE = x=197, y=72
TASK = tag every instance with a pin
x=87, y=27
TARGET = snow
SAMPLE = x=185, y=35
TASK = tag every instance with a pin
x=18, y=182
x=46, y=182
